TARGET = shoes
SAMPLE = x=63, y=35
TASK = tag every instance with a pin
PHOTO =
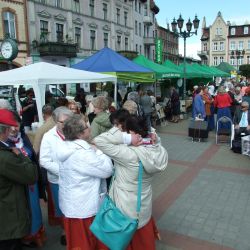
x=63, y=240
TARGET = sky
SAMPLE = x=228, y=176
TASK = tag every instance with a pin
x=234, y=11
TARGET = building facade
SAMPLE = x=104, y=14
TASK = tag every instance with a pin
x=170, y=42
x=225, y=42
x=14, y=24
x=64, y=32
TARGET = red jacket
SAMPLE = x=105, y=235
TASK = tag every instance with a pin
x=222, y=100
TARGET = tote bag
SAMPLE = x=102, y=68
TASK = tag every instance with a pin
x=111, y=226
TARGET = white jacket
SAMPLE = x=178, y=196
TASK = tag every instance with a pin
x=80, y=178
x=50, y=143
x=126, y=161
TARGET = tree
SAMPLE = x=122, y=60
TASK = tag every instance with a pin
x=245, y=70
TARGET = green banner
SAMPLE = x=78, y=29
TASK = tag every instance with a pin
x=158, y=50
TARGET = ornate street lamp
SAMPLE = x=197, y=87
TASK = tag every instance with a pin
x=237, y=54
x=185, y=34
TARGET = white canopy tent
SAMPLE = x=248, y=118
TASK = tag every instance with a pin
x=40, y=74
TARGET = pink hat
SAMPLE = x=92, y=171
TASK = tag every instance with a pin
x=7, y=118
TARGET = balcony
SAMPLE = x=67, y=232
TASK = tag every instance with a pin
x=149, y=40
x=147, y=20
x=57, y=49
x=203, y=53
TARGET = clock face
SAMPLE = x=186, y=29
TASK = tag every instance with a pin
x=6, y=50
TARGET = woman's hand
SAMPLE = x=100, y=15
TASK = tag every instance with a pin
x=136, y=139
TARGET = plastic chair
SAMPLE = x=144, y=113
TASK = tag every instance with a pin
x=224, y=129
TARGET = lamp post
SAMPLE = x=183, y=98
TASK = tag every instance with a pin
x=237, y=54
x=185, y=34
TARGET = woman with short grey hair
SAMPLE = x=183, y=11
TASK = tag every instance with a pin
x=51, y=142
x=82, y=184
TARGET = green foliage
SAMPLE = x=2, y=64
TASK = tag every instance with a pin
x=245, y=70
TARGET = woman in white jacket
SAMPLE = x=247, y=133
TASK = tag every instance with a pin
x=124, y=186
x=82, y=174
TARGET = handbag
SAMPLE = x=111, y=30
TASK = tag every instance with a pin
x=111, y=226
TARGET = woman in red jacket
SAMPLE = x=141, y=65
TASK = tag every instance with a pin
x=223, y=102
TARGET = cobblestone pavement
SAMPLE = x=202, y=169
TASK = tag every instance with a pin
x=202, y=200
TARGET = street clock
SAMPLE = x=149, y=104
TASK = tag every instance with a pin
x=9, y=49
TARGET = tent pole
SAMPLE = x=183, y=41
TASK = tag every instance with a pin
x=115, y=94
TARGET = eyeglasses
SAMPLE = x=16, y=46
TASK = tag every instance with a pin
x=61, y=122
x=244, y=107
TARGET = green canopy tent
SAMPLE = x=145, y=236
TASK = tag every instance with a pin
x=193, y=72
x=205, y=70
x=226, y=67
x=172, y=65
x=218, y=72
x=160, y=70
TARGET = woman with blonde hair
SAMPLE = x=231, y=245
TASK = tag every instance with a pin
x=101, y=122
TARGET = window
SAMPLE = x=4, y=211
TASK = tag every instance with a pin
x=76, y=5
x=205, y=47
x=232, y=31
x=215, y=61
x=136, y=47
x=221, y=59
x=248, y=44
x=105, y=39
x=126, y=43
x=136, y=29
x=44, y=31
x=215, y=46
x=78, y=36
x=118, y=16
x=59, y=32
x=92, y=39
x=248, y=59
x=125, y=18
x=43, y=1
x=140, y=49
x=58, y=3
x=139, y=29
x=232, y=45
x=139, y=7
x=118, y=43
x=92, y=7
x=232, y=60
x=240, y=45
x=105, y=11
x=221, y=46
x=240, y=60
x=145, y=10
x=9, y=24
x=136, y=6
x=245, y=30
x=218, y=31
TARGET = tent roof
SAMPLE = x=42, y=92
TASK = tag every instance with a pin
x=193, y=72
x=160, y=70
x=226, y=67
x=206, y=70
x=108, y=61
x=47, y=73
x=40, y=74
x=169, y=63
x=217, y=72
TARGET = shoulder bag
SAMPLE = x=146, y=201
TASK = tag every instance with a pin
x=111, y=226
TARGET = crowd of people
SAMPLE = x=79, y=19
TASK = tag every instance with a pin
x=230, y=99
x=69, y=165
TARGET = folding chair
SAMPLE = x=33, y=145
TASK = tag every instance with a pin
x=224, y=132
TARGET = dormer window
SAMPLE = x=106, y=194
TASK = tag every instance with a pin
x=245, y=30
x=232, y=31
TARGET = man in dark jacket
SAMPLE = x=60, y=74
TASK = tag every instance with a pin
x=242, y=119
x=16, y=172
